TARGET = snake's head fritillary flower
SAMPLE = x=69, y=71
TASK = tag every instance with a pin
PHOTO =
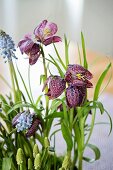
x=78, y=75
x=7, y=46
x=72, y=96
x=56, y=86
x=45, y=33
x=30, y=48
x=26, y=44
x=34, y=127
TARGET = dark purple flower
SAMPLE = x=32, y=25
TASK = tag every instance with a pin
x=78, y=75
x=72, y=96
x=30, y=48
x=45, y=32
x=34, y=54
x=35, y=125
x=56, y=86
x=75, y=96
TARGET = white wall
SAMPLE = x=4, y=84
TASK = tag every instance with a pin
x=93, y=17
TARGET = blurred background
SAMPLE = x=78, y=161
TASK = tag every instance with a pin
x=95, y=19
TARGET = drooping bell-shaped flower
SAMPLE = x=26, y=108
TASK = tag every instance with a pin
x=45, y=33
x=56, y=86
x=30, y=48
x=78, y=75
x=72, y=96
x=7, y=46
x=35, y=125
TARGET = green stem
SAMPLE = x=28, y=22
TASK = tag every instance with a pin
x=30, y=83
x=46, y=89
x=12, y=80
x=80, y=161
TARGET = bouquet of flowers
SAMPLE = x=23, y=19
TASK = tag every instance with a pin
x=25, y=124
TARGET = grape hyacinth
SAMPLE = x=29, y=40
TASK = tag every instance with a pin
x=23, y=121
x=7, y=46
x=26, y=121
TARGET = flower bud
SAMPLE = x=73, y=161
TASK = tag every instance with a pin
x=20, y=156
x=66, y=162
x=37, y=162
x=30, y=165
x=46, y=142
x=35, y=150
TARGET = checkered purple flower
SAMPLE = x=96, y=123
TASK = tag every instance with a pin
x=56, y=86
x=78, y=75
x=45, y=33
x=30, y=48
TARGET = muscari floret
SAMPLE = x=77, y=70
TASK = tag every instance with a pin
x=7, y=46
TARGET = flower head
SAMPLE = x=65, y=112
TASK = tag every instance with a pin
x=78, y=75
x=35, y=124
x=7, y=46
x=30, y=48
x=56, y=86
x=24, y=121
x=72, y=96
x=45, y=33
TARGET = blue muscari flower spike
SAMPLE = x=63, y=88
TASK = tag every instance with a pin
x=24, y=121
x=7, y=46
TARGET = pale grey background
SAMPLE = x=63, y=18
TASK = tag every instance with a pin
x=93, y=17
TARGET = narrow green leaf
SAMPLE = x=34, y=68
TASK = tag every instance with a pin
x=84, y=51
x=67, y=135
x=5, y=81
x=100, y=81
x=55, y=115
x=66, y=50
x=57, y=66
x=62, y=63
x=110, y=120
x=96, y=151
x=80, y=60
x=6, y=164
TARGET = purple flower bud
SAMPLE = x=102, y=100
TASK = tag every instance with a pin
x=45, y=32
x=35, y=124
x=56, y=86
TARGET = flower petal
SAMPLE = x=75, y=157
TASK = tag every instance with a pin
x=50, y=40
x=72, y=96
x=33, y=128
x=45, y=30
x=38, y=31
x=56, y=87
x=34, y=54
x=26, y=44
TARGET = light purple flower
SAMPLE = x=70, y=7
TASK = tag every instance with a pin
x=56, y=86
x=78, y=75
x=30, y=48
x=45, y=33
